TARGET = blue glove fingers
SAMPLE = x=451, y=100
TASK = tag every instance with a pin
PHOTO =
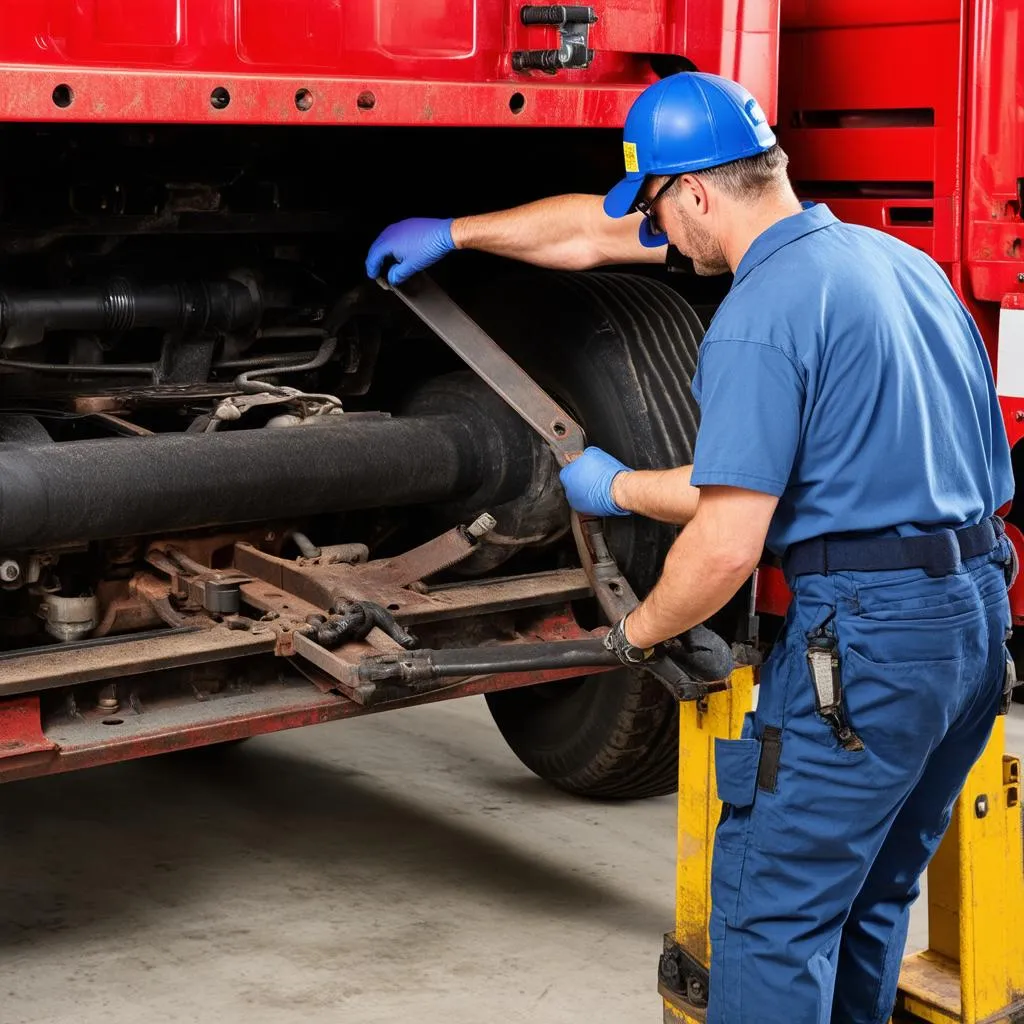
x=376, y=256
x=413, y=244
x=400, y=272
x=588, y=483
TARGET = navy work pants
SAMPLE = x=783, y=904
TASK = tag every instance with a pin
x=815, y=869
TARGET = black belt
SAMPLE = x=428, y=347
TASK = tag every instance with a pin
x=938, y=554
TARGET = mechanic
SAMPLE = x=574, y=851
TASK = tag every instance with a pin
x=849, y=422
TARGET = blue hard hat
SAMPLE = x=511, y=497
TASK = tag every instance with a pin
x=686, y=122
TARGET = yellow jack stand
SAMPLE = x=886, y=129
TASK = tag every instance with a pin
x=973, y=970
x=683, y=988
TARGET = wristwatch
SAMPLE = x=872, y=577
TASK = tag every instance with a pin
x=629, y=654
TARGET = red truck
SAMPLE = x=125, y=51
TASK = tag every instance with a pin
x=220, y=445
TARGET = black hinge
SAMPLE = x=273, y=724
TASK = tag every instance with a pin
x=682, y=975
x=573, y=24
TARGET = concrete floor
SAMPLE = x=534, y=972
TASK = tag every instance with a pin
x=402, y=867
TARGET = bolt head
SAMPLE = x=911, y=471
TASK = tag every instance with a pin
x=481, y=525
x=669, y=968
x=1020, y=278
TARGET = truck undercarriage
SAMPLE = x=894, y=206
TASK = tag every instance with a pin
x=219, y=439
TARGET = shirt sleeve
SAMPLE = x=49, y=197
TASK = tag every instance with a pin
x=751, y=397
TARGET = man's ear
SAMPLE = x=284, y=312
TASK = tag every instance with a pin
x=693, y=195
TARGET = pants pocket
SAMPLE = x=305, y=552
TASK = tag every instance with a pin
x=736, y=766
x=901, y=709
x=736, y=763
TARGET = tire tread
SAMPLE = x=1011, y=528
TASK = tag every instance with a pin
x=639, y=755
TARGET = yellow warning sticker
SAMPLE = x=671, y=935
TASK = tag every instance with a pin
x=632, y=164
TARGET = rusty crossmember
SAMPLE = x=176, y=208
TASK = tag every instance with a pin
x=33, y=744
x=285, y=595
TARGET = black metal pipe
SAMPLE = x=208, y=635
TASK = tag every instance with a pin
x=424, y=665
x=119, y=305
x=80, y=491
x=291, y=359
x=321, y=358
x=82, y=369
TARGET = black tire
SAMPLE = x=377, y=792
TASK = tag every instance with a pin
x=620, y=351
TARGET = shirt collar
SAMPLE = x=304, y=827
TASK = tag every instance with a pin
x=814, y=217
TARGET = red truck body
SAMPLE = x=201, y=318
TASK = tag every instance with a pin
x=383, y=62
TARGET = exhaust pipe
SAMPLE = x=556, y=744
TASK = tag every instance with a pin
x=78, y=491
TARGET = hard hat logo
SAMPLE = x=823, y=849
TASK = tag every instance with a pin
x=629, y=152
x=754, y=112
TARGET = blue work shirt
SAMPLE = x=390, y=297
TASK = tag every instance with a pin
x=843, y=375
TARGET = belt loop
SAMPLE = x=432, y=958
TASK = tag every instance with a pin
x=955, y=563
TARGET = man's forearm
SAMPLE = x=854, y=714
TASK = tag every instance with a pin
x=569, y=232
x=701, y=574
x=663, y=494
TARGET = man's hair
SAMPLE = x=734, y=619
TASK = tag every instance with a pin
x=751, y=176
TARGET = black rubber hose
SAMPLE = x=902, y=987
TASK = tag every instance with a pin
x=80, y=491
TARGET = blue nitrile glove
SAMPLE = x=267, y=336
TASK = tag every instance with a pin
x=412, y=244
x=588, y=483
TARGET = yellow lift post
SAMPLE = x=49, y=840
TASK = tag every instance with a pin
x=973, y=969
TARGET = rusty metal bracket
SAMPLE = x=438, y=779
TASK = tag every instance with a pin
x=214, y=590
x=342, y=665
x=430, y=558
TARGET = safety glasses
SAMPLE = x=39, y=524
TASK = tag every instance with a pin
x=646, y=206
